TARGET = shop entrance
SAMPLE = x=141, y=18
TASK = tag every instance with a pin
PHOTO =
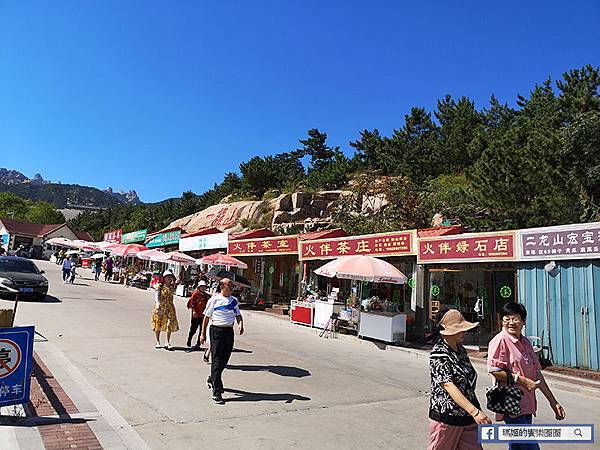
x=477, y=291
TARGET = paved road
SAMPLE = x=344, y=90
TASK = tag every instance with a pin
x=288, y=387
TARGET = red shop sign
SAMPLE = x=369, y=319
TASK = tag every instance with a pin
x=383, y=244
x=113, y=236
x=475, y=247
x=278, y=245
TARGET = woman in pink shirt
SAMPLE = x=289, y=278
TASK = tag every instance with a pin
x=510, y=349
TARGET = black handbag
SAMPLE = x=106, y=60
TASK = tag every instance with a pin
x=505, y=399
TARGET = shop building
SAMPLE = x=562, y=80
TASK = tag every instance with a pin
x=475, y=273
x=15, y=233
x=559, y=283
x=203, y=242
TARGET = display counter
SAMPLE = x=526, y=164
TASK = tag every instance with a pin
x=302, y=312
x=323, y=312
x=384, y=326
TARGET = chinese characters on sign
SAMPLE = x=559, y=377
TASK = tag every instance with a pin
x=465, y=248
x=164, y=239
x=113, y=236
x=134, y=236
x=16, y=355
x=264, y=246
x=568, y=242
x=387, y=244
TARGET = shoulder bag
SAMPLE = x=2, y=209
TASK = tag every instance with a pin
x=505, y=399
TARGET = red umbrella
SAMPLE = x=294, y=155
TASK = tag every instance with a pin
x=128, y=249
x=178, y=257
x=221, y=259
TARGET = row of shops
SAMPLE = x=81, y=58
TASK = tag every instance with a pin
x=554, y=271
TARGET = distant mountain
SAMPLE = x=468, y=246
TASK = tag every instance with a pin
x=70, y=196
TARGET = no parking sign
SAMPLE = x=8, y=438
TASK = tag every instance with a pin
x=16, y=360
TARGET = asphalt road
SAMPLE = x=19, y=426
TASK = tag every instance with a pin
x=286, y=386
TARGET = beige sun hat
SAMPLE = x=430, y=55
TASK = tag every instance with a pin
x=454, y=322
x=167, y=272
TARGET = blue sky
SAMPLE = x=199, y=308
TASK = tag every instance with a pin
x=165, y=97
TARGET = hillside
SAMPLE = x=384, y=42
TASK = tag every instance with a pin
x=63, y=195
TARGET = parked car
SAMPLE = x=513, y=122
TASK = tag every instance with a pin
x=20, y=275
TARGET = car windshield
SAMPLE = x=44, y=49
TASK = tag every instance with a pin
x=17, y=265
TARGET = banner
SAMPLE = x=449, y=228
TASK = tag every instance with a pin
x=113, y=236
x=383, y=244
x=205, y=242
x=164, y=239
x=577, y=241
x=465, y=248
x=279, y=245
x=134, y=236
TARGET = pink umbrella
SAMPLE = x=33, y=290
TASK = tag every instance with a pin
x=364, y=268
x=154, y=255
x=128, y=249
x=178, y=257
x=221, y=259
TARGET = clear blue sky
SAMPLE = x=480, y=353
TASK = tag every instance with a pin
x=165, y=97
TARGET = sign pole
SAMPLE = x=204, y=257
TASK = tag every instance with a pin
x=14, y=314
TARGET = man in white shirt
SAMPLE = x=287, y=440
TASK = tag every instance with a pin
x=66, y=269
x=223, y=310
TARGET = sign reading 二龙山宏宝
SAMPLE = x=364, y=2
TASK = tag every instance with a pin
x=474, y=247
x=577, y=241
x=16, y=360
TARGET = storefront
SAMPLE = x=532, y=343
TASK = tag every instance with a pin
x=273, y=267
x=203, y=242
x=380, y=303
x=559, y=283
x=134, y=237
x=15, y=235
x=474, y=273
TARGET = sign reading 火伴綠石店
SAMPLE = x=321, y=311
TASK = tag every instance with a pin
x=399, y=243
x=577, y=241
x=279, y=245
x=464, y=248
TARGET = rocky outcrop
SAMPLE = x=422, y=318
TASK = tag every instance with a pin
x=300, y=211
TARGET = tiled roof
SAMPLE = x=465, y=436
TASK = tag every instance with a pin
x=202, y=232
x=440, y=231
x=323, y=234
x=252, y=234
x=84, y=236
x=28, y=228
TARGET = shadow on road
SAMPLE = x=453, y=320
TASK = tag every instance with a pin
x=24, y=298
x=284, y=371
x=240, y=350
x=244, y=396
x=40, y=421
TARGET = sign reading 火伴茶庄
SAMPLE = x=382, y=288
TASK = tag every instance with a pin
x=113, y=236
x=134, y=236
x=384, y=244
x=577, y=241
x=164, y=239
x=279, y=245
x=461, y=248
x=16, y=359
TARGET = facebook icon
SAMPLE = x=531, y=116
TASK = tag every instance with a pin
x=487, y=433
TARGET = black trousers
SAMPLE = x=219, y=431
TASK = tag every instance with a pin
x=194, y=325
x=221, y=346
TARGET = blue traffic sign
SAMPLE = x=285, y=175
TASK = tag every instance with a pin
x=16, y=363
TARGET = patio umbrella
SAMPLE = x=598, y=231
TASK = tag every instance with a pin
x=72, y=252
x=127, y=249
x=363, y=268
x=97, y=256
x=62, y=242
x=178, y=257
x=221, y=259
x=103, y=245
x=151, y=254
x=218, y=274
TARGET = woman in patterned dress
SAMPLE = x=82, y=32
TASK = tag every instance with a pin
x=454, y=410
x=164, y=317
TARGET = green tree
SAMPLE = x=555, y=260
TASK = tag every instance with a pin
x=579, y=92
x=44, y=212
x=368, y=149
x=316, y=147
x=13, y=206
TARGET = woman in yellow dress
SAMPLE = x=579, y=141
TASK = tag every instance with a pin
x=164, y=317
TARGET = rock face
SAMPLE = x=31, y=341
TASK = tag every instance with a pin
x=127, y=197
x=300, y=211
x=8, y=176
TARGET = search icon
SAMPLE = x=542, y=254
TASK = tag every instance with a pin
x=577, y=432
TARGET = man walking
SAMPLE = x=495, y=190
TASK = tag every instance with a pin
x=224, y=310
x=197, y=303
x=66, y=269
x=108, y=269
